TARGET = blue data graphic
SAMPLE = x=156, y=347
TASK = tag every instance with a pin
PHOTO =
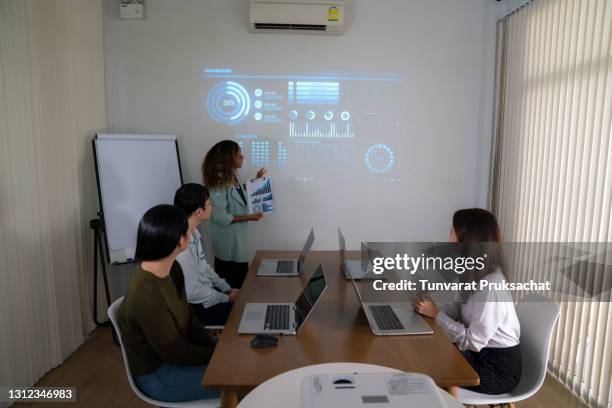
x=265, y=189
x=320, y=130
x=379, y=158
x=313, y=92
x=281, y=155
x=311, y=125
x=260, y=153
x=228, y=102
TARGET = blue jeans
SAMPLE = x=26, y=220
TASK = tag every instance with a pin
x=172, y=383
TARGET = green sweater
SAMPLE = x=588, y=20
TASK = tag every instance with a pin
x=158, y=326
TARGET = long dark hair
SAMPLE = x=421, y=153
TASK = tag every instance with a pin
x=479, y=233
x=159, y=232
x=218, y=165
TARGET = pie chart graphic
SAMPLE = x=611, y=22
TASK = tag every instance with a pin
x=228, y=102
x=379, y=158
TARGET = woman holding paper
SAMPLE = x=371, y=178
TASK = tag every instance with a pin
x=230, y=210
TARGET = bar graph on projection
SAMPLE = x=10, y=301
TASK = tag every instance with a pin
x=320, y=131
x=313, y=92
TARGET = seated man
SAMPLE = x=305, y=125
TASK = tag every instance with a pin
x=211, y=297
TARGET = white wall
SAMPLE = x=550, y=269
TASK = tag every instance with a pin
x=446, y=47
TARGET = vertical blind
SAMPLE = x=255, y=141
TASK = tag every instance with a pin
x=552, y=166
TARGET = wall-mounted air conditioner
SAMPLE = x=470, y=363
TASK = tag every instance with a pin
x=297, y=16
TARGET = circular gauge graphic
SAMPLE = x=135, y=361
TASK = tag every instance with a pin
x=293, y=115
x=329, y=115
x=345, y=115
x=379, y=158
x=310, y=115
x=228, y=102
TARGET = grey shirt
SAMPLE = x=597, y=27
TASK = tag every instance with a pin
x=202, y=284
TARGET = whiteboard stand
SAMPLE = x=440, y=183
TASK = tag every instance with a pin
x=127, y=188
x=96, y=226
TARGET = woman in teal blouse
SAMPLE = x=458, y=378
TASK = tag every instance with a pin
x=230, y=215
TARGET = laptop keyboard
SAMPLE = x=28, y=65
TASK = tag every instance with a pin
x=385, y=317
x=355, y=271
x=284, y=266
x=277, y=317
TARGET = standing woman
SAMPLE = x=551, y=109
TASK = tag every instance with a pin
x=230, y=211
x=483, y=324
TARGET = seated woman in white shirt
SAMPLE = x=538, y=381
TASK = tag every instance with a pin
x=483, y=324
x=211, y=297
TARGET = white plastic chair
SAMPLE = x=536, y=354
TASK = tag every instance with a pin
x=537, y=315
x=206, y=403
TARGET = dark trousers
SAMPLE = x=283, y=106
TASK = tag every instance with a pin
x=233, y=272
x=213, y=316
x=499, y=369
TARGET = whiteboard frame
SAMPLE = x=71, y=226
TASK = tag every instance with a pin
x=126, y=255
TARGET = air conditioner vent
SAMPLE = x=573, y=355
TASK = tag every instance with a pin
x=292, y=27
x=306, y=17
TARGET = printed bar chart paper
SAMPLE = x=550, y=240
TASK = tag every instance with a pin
x=261, y=199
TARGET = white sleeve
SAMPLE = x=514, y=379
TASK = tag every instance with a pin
x=476, y=333
x=450, y=309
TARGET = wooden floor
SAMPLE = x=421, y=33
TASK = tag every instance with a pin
x=96, y=370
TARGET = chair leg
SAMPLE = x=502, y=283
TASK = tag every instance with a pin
x=216, y=333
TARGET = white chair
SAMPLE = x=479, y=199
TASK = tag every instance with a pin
x=215, y=330
x=207, y=403
x=537, y=315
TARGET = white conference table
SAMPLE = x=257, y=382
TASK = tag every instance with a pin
x=283, y=390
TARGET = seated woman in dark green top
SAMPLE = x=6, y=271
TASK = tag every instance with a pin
x=167, y=347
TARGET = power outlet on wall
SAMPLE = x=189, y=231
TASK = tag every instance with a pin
x=132, y=11
x=452, y=182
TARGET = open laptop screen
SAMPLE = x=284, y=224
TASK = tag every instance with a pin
x=356, y=289
x=309, y=296
x=342, y=245
x=366, y=256
x=305, y=250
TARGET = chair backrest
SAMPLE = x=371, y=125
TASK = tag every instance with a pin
x=537, y=315
x=113, y=313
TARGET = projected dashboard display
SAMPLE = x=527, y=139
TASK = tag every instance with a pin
x=311, y=126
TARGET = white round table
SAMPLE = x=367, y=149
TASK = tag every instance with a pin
x=283, y=390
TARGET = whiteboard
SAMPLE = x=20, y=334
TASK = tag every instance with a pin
x=135, y=173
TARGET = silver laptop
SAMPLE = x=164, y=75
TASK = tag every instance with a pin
x=352, y=268
x=283, y=318
x=392, y=318
x=286, y=267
